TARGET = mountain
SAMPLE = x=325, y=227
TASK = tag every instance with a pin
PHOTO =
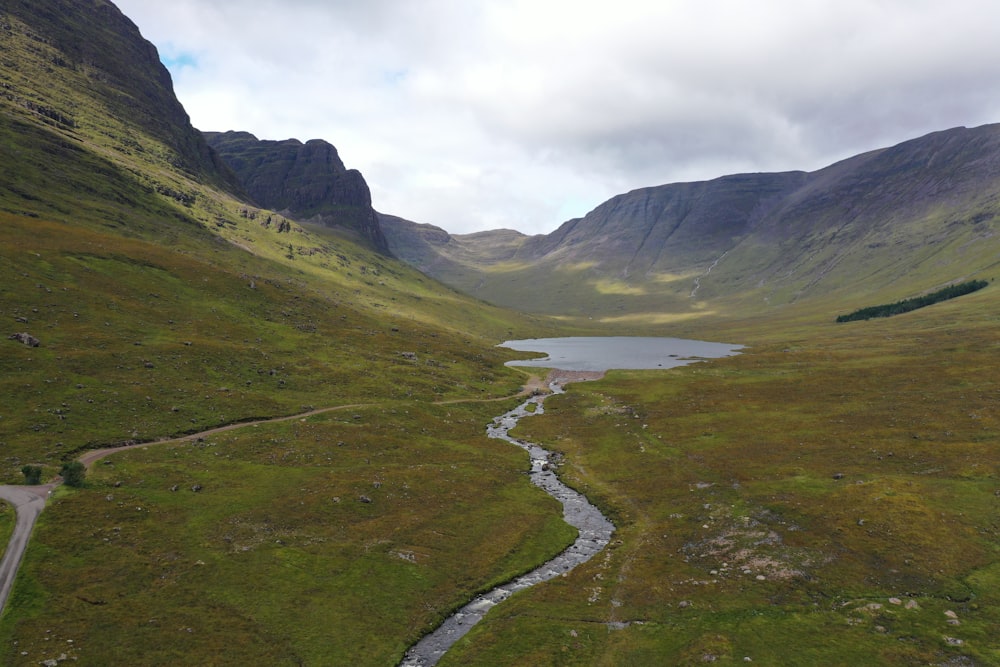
x=310, y=416
x=115, y=85
x=922, y=213
x=147, y=296
x=304, y=181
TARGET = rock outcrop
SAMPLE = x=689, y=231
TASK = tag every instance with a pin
x=305, y=181
x=26, y=339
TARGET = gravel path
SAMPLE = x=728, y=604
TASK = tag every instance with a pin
x=28, y=501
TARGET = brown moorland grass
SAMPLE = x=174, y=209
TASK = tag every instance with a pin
x=334, y=539
x=828, y=499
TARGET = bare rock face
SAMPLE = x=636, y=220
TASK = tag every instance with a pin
x=306, y=181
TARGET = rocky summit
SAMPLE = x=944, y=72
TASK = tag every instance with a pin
x=305, y=181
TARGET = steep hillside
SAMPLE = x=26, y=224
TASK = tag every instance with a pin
x=887, y=223
x=72, y=66
x=121, y=252
x=304, y=181
x=157, y=300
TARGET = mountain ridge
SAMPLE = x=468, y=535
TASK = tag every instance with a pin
x=775, y=238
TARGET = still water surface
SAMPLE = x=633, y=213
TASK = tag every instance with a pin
x=602, y=353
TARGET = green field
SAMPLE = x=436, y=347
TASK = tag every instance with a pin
x=829, y=498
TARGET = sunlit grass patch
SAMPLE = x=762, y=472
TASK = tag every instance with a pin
x=618, y=287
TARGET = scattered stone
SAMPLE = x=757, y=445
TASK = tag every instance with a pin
x=196, y=488
x=838, y=475
x=683, y=604
x=175, y=487
x=953, y=641
x=365, y=499
x=761, y=577
x=895, y=601
x=912, y=604
x=412, y=356
x=951, y=614
x=26, y=339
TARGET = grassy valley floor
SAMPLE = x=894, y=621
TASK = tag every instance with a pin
x=334, y=539
x=831, y=499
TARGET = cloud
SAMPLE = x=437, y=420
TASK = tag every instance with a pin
x=521, y=114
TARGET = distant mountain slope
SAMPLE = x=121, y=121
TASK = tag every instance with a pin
x=895, y=220
x=305, y=181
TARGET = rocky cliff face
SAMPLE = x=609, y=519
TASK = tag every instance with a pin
x=305, y=181
x=100, y=67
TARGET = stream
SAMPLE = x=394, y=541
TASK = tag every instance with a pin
x=594, y=534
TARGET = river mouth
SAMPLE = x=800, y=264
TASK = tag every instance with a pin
x=604, y=353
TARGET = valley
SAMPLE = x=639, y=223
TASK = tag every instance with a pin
x=323, y=489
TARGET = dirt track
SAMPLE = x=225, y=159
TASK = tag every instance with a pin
x=28, y=501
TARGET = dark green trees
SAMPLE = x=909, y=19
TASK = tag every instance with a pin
x=32, y=475
x=906, y=305
x=73, y=473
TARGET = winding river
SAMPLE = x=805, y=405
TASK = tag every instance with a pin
x=586, y=354
x=594, y=534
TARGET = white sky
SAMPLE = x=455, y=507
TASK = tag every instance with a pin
x=475, y=114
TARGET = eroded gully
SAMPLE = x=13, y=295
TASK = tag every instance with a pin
x=594, y=534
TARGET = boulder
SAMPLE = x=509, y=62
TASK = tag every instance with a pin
x=26, y=339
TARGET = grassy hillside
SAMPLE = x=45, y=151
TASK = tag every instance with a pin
x=164, y=304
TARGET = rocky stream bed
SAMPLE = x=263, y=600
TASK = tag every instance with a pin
x=594, y=534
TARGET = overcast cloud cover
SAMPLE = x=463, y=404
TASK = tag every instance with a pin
x=475, y=115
